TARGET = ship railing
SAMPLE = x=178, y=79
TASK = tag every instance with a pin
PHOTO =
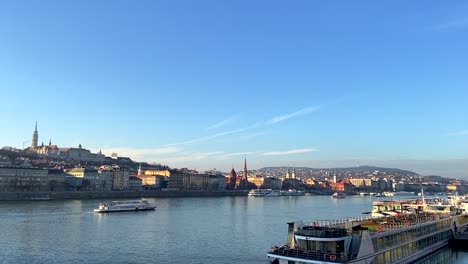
x=385, y=224
x=340, y=222
x=312, y=255
x=324, y=231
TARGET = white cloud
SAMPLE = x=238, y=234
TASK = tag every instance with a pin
x=257, y=134
x=200, y=139
x=290, y=152
x=206, y=138
x=229, y=155
x=301, y=112
x=196, y=156
x=143, y=153
x=459, y=133
x=220, y=124
x=457, y=23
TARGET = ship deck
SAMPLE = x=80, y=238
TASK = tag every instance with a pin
x=378, y=225
x=309, y=255
x=389, y=223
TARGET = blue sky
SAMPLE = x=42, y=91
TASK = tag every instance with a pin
x=200, y=84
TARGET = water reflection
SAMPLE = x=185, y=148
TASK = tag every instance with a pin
x=182, y=230
x=445, y=255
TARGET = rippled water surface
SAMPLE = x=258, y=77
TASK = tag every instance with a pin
x=181, y=230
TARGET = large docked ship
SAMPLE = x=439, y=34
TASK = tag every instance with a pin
x=461, y=202
x=397, y=239
x=120, y=206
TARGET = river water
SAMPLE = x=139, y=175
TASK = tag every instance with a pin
x=181, y=230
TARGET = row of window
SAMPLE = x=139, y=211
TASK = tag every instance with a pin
x=322, y=246
x=381, y=243
x=406, y=250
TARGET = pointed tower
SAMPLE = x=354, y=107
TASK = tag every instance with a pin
x=293, y=175
x=139, y=170
x=245, y=169
x=231, y=181
x=243, y=184
x=35, y=138
x=50, y=142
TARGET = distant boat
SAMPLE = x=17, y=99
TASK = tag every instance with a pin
x=403, y=193
x=263, y=193
x=292, y=192
x=338, y=195
x=379, y=195
x=120, y=206
x=40, y=198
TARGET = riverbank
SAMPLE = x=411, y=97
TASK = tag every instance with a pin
x=27, y=196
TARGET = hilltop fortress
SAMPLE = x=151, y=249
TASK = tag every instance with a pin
x=69, y=153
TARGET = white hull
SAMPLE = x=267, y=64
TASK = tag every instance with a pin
x=122, y=210
x=125, y=206
x=263, y=193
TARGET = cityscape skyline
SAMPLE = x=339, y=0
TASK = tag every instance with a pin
x=447, y=168
x=202, y=87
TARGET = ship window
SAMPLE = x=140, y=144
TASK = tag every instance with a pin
x=340, y=246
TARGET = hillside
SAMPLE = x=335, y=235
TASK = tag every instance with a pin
x=360, y=169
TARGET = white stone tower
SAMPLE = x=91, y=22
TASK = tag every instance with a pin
x=35, y=138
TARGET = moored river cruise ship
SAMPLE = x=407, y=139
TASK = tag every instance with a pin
x=395, y=239
x=121, y=206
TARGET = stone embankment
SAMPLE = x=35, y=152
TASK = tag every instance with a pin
x=25, y=196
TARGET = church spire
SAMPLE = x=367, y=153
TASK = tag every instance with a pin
x=50, y=142
x=245, y=168
x=245, y=163
x=35, y=138
x=244, y=181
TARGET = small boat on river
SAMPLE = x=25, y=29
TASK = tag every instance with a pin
x=121, y=206
x=338, y=195
x=263, y=193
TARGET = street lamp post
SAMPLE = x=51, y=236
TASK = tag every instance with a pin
x=25, y=142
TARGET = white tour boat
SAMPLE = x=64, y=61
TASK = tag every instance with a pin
x=263, y=193
x=120, y=206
